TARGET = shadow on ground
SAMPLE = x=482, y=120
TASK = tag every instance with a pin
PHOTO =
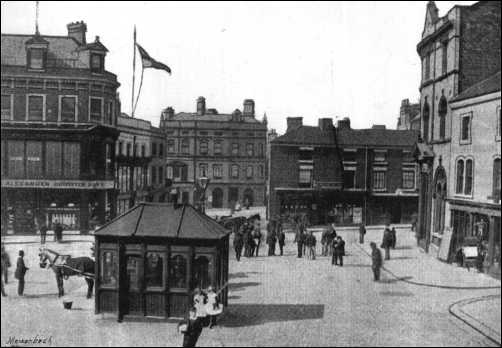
x=241, y=286
x=394, y=280
x=240, y=274
x=256, y=314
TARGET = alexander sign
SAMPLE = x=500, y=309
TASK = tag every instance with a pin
x=60, y=184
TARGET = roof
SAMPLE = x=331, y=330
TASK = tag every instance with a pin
x=487, y=86
x=163, y=221
x=307, y=135
x=188, y=116
x=377, y=137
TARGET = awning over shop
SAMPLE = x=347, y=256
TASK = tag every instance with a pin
x=164, y=220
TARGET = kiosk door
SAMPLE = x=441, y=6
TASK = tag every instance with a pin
x=134, y=266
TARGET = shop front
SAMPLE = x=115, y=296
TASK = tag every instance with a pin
x=150, y=259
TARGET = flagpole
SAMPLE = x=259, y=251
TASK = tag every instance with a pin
x=133, y=72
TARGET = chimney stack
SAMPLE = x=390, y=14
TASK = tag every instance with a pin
x=294, y=122
x=325, y=123
x=344, y=123
x=201, y=106
x=248, y=108
x=77, y=31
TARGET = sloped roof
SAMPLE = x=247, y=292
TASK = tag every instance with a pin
x=377, y=137
x=165, y=221
x=307, y=135
x=188, y=116
x=487, y=86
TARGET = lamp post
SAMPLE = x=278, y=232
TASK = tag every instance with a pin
x=202, y=184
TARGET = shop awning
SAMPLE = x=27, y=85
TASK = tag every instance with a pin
x=165, y=221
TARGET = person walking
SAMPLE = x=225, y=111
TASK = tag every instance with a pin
x=58, y=232
x=376, y=261
x=281, y=239
x=238, y=244
x=338, y=251
x=362, y=232
x=394, y=237
x=20, y=273
x=271, y=240
x=312, y=245
x=5, y=265
x=331, y=238
x=387, y=241
x=43, y=233
x=324, y=242
x=299, y=241
x=246, y=238
x=257, y=237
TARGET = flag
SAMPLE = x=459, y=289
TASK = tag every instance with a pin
x=149, y=62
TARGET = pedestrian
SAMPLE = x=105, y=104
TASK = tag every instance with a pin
x=312, y=244
x=271, y=240
x=257, y=237
x=394, y=237
x=191, y=328
x=282, y=239
x=376, y=261
x=238, y=243
x=338, y=251
x=324, y=241
x=387, y=241
x=5, y=265
x=330, y=238
x=43, y=233
x=246, y=239
x=299, y=241
x=58, y=232
x=362, y=232
x=213, y=306
x=20, y=273
x=199, y=302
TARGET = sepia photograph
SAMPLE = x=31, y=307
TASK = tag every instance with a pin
x=250, y=174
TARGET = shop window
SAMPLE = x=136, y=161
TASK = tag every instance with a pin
x=95, y=109
x=68, y=108
x=36, y=107
x=34, y=159
x=6, y=107
x=185, y=197
x=133, y=272
x=15, y=150
x=109, y=268
x=53, y=159
x=178, y=271
x=71, y=160
x=233, y=194
x=154, y=269
x=379, y=180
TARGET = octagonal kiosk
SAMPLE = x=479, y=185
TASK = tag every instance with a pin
x=149, y=260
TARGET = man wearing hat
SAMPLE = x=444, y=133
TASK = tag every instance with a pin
x=376, y=261
x=20, y=273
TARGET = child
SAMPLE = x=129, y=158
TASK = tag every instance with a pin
x=213, y=307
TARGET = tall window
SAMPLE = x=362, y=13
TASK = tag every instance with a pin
x=37, y=58
x=217, y=147
x=261, y=171
x=154, y=175
x=217, y=171
x=249, y=172
x=128, y=149
x=408, y=179
x=442, y=111
x=143, y=150
x=203, y=147
x=6, y=107
x=444, y=58
x=53, y=159
x=465, y=128
x=154, y=149
x=496, y=179
x=305, y=175
x=349, y=179
x=161, y=175
x=235, y=149
x=425, y=120
x=249, y=149
x=161, y=150
x=68, y=107
x=468, y=177
x=96, y=109
x=15, y=149
x=71, y=160
x=109, y=113
x=36, y=107
x=235, y=171
x=170, y=146
x=97, y=63
x=260, y=150
x=427, y=67
x=460, y=177
x=379, y=180
x=185, y=148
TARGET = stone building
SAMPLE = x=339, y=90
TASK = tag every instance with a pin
x=343, y=175
x=457, y=51
x=409, y=116
x=229, y=149
x=472, y=204
x=58, y=123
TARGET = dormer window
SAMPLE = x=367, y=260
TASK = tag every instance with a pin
x=36, y=52
x=37, y=58
x=97, y=63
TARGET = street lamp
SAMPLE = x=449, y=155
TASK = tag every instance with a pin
x=202, y=184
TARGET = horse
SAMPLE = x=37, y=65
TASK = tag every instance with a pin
x=65, y=266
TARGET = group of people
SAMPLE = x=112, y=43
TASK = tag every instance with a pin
x=58, y=232
x=275, y=235
x=389, y=240
x=206, y=307
x=19, y=273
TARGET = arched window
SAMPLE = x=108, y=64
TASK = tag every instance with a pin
x=460, y=176
x=217, y=198
x=468, y=177
x=442, y=111
x=425, y=120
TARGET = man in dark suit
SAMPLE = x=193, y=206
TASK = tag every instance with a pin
x=43, y=233
x=338, y=251
x=238, y=243
x=58, y=232
x=362, y=232
x=20, y=273
x=376, y=261
x=191, y=329
x=387, y=241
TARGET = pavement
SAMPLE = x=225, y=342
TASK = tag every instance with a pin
x=281, y=301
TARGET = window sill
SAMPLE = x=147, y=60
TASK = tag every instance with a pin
x=466, y=197
x=465, y=142
x=380, y=190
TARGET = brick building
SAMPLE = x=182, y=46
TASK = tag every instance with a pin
x=409, y=116
x=457, y=51
x=59, y=109
x=343, y=175
x=229, y=149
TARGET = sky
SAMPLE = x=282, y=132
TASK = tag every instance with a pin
x=309, y=59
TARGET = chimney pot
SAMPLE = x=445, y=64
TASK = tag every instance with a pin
x=325, y=123
x=249, y=108
x=344, y=123
x=294, y=122
x=201, y=106
x=77, y=31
